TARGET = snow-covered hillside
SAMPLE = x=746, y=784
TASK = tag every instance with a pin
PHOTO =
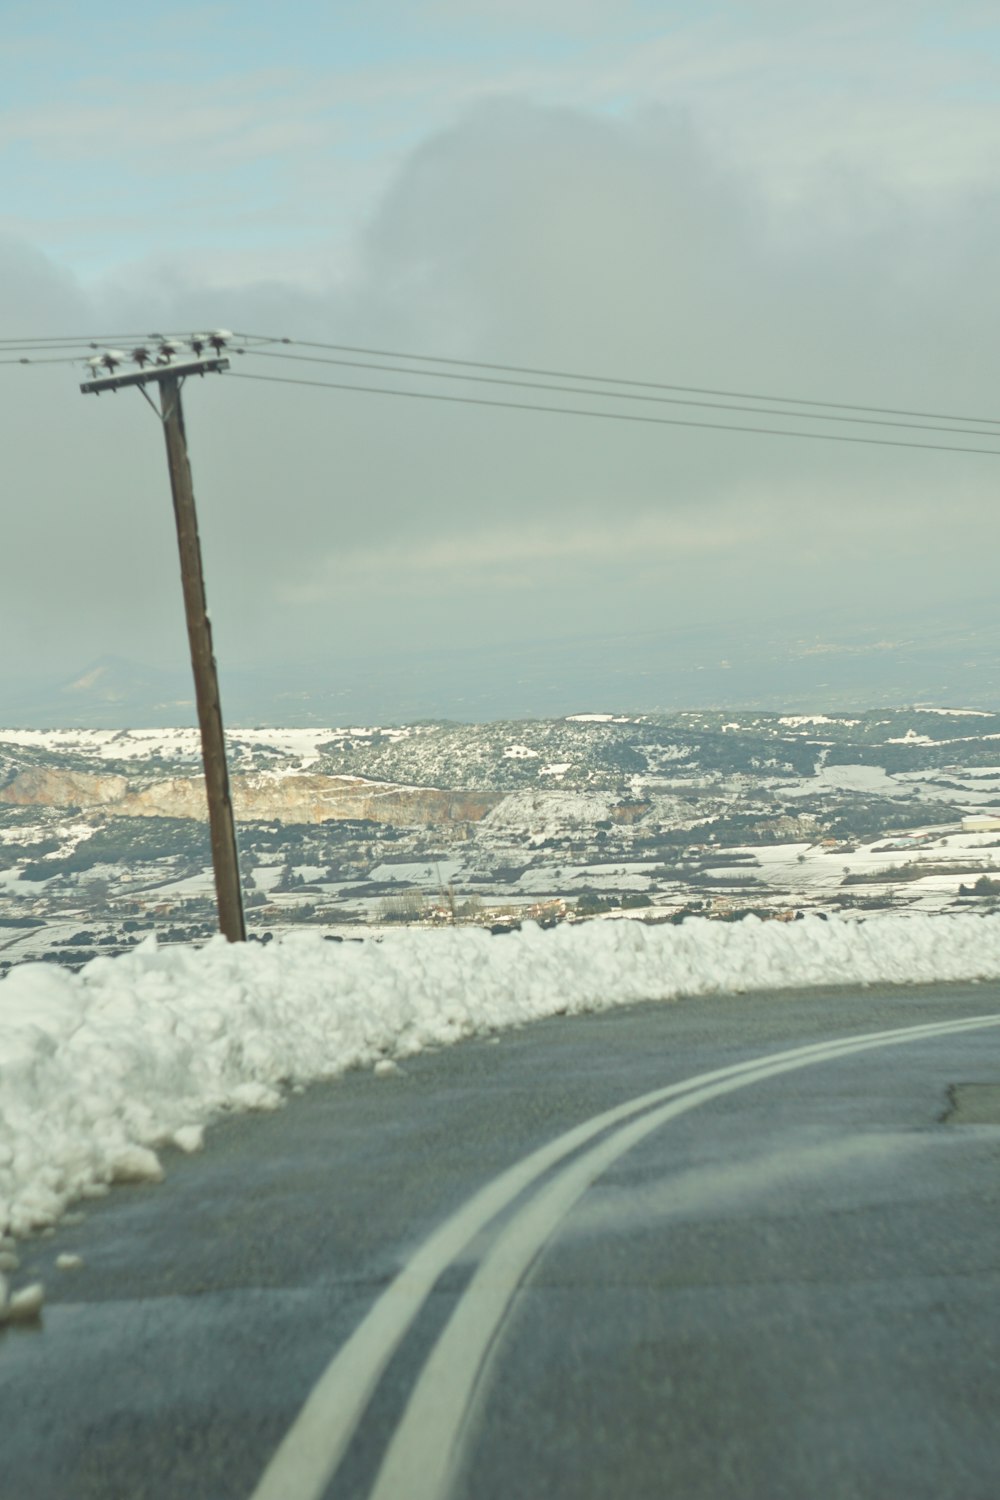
x=177, y=747
x=593, y=750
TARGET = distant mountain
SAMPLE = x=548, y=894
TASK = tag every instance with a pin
x=110, y=693
x=933, y=658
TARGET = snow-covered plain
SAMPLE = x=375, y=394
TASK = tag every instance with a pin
x=102, y=1068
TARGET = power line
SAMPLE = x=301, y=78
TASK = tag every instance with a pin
x=101, y=341
x=254, y=344
x=575, y=390
x=46, y=359
x=696, y=390
x=71, y=341
x=614, y=416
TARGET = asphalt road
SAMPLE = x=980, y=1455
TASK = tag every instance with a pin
x=563, y=1262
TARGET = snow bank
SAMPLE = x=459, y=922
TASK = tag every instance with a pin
x=99, y=1069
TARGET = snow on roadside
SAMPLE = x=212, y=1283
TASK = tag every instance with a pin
x=100, y=1069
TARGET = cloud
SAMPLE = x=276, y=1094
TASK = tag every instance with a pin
x=518, y=556
x=568, y=238
x=36, y=297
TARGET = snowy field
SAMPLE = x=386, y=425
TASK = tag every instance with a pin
x=101, y=1069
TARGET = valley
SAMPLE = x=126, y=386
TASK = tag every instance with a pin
x=103, y=839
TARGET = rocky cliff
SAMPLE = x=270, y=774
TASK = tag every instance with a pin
x=296, y=798
x=40, y=786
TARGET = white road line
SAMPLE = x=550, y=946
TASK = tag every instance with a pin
x=422, y=1457
x=308, y=1456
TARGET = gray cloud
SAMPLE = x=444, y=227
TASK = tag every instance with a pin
x=533, y=235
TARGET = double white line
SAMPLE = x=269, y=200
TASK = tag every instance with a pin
x=421, y=1457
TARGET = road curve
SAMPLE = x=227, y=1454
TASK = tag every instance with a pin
x=486, y=1351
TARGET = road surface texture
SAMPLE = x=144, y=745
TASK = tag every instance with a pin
x=739, y=1247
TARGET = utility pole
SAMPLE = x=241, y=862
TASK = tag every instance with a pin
x=169, y=376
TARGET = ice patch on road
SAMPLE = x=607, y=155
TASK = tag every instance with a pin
x=820, y=1171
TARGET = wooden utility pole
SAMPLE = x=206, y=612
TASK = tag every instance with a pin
x=225, y=859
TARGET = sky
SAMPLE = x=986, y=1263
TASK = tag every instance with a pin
x=761, y=197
